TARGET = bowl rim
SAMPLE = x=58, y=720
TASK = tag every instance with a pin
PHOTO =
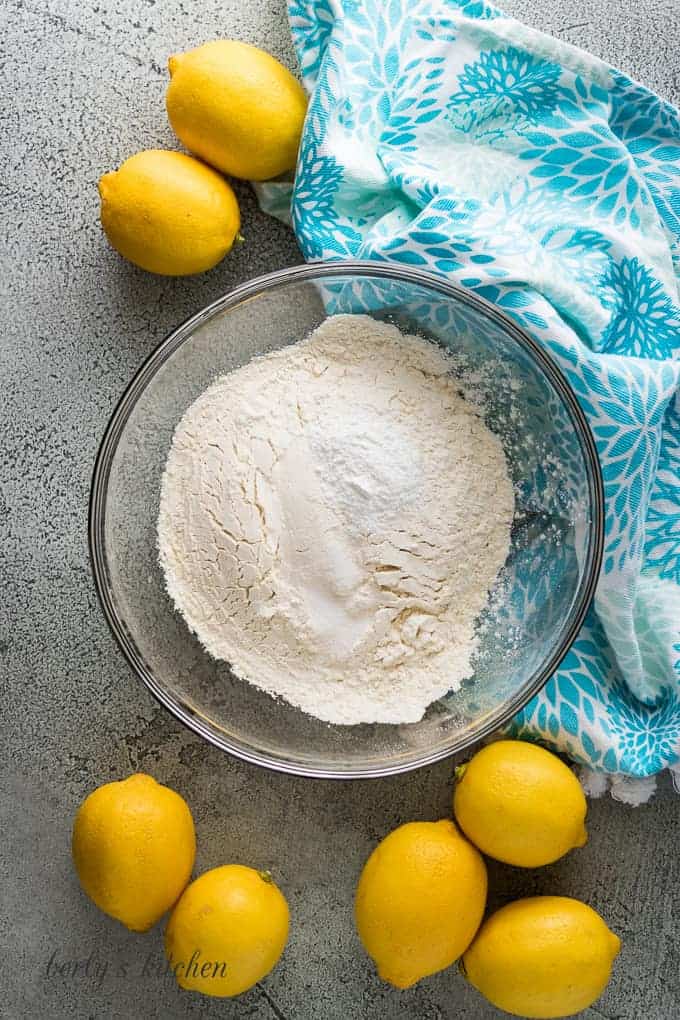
x=309, y=272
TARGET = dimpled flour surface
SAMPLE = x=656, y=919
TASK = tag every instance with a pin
x=332, y=518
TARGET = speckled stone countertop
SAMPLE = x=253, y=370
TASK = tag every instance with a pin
x=83, y=86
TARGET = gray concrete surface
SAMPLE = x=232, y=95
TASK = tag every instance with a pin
x=82, y=88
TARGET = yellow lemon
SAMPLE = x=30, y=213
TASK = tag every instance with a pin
x=169, y=213
x=237, y=108
x=542, y=957
x=227, y=931
x=133, y=848
x=519, y=803
x=420, y=900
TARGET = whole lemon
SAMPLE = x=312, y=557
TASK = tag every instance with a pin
x=519, y=803
x=420, y=900
x=133, y=848
x=543, y=957
x=227, y=931
x=168, y=213
x=237, y=108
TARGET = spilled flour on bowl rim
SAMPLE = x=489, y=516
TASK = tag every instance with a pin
x=332, y=518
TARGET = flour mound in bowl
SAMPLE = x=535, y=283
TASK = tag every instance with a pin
x=332, y=518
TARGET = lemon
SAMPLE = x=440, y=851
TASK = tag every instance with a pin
x=543, y=957
x=420, y=900
x=227, y=931
x=519, y=803
x=168, y=213
x=133, y=849
x=237, y=108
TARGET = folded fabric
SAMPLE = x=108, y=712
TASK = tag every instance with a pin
x=444, y=135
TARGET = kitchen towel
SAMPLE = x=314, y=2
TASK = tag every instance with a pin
x=445, y=135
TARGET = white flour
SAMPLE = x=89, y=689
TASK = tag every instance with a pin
x=332, y=518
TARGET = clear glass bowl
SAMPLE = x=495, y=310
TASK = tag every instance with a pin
x=540, y=599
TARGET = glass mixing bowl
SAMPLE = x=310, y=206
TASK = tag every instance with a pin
x=536, y=607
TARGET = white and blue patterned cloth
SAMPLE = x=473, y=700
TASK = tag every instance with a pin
x=444, y=135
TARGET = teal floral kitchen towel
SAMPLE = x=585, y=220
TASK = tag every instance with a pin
x=444, y=135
